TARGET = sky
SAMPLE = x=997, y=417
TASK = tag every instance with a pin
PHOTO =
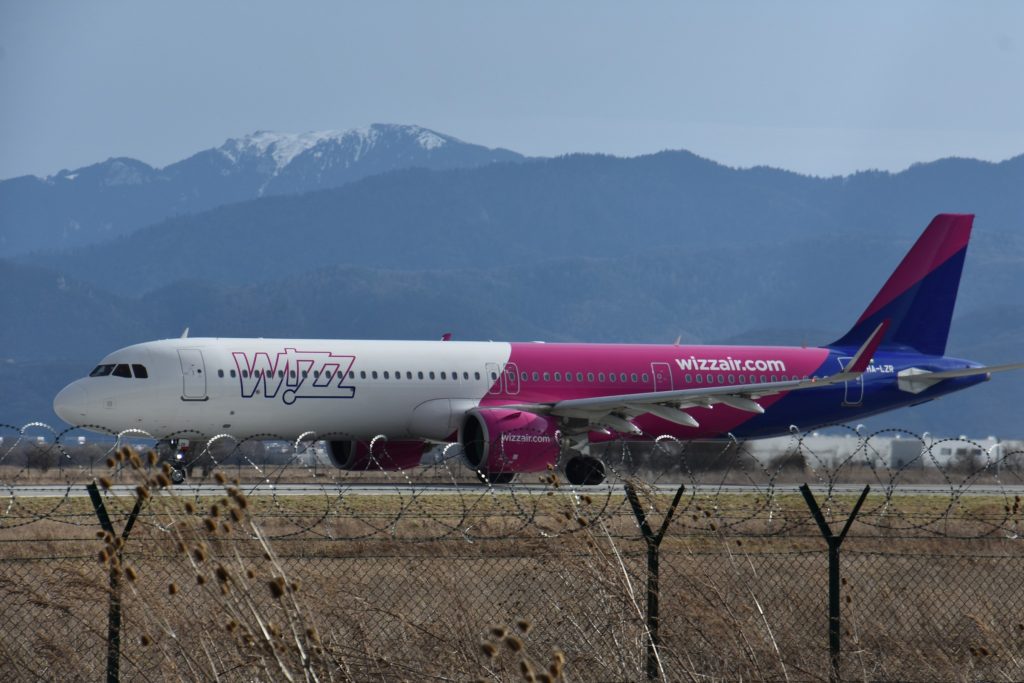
x=822, y=88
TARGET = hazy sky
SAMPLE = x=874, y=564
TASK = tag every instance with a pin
x=817, y=87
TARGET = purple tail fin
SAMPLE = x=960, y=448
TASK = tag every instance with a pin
x=919, y=296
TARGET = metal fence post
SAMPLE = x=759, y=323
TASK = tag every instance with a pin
x=834, y=541
x=653, y=543
x=114, y=608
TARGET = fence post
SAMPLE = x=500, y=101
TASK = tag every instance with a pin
x=114, y=608
x=834, y=542
x=653, y=543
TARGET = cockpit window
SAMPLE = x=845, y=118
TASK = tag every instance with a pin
x=101, y=371
x=140, y=371
x=122, y=370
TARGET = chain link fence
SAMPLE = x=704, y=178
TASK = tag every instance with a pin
x=223, y=580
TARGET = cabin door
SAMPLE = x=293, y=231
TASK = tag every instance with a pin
x=853, y=395
x=193, y=372
x=662, y=373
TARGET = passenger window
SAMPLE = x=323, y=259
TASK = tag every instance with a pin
x=763, y=378
x=645, y=378
x=721, y=379
x=622, y=376
x=579, y=376
x=432, y=374
x=633, y=377
x=535, y=377
x=743, y=379
x=476, y=375
x=494, y=375
x=711, y=379
x=408, y=374
x=732, y=379
x=455, y=376
x=386, y=375
x=590, y=377
x=465, y=375
x=558, y=377
x=443, y=376
x=373, y=374
x=245, y=373
x=773, y=378
x=305, y=374
x=700, y=379
x=689, y=379
x=141, y=373
x=316, y=374
x=232, y=373
x=220, y=373
x=280, y=373
x=122, y=370
x=612, y=378
x=420, y=374
x=524, y=376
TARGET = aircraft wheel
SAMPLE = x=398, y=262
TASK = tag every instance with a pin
x=583, y=470
x=177, y=475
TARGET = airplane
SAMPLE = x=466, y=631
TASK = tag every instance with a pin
x=529, y=407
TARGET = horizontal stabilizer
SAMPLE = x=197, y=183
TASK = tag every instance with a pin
x=916, y=380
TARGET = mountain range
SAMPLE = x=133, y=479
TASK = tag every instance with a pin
x=117, y=196
x=582, y=247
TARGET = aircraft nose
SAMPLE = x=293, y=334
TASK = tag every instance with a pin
x=70, y=404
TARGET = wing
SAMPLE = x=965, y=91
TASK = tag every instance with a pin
x=613, y=412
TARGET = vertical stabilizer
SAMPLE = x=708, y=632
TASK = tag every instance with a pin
x=918, y=297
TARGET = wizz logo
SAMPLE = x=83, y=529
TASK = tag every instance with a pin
x=293, y=374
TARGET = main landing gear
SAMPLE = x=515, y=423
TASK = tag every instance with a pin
x=584, y=470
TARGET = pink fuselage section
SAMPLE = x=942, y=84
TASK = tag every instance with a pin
x=548, y=373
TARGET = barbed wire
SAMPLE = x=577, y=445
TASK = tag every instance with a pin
x=921, y=485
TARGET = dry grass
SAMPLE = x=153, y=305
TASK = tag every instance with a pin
x=340, y=587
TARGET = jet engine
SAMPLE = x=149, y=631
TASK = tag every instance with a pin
x=379, y=454
x=501, y=443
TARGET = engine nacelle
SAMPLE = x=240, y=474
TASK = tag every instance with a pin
x=509, y=441
x=385, y=455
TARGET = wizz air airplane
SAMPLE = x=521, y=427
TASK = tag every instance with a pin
x=525, y=407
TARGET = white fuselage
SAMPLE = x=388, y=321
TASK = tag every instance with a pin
x=282, y=388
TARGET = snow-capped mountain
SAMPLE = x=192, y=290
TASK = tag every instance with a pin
x=117, y=196
x=301, y=162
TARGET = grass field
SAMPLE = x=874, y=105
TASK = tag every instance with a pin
x=405, y=587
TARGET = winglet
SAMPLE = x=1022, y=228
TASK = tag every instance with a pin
x=860, y=361
x=447, y=336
